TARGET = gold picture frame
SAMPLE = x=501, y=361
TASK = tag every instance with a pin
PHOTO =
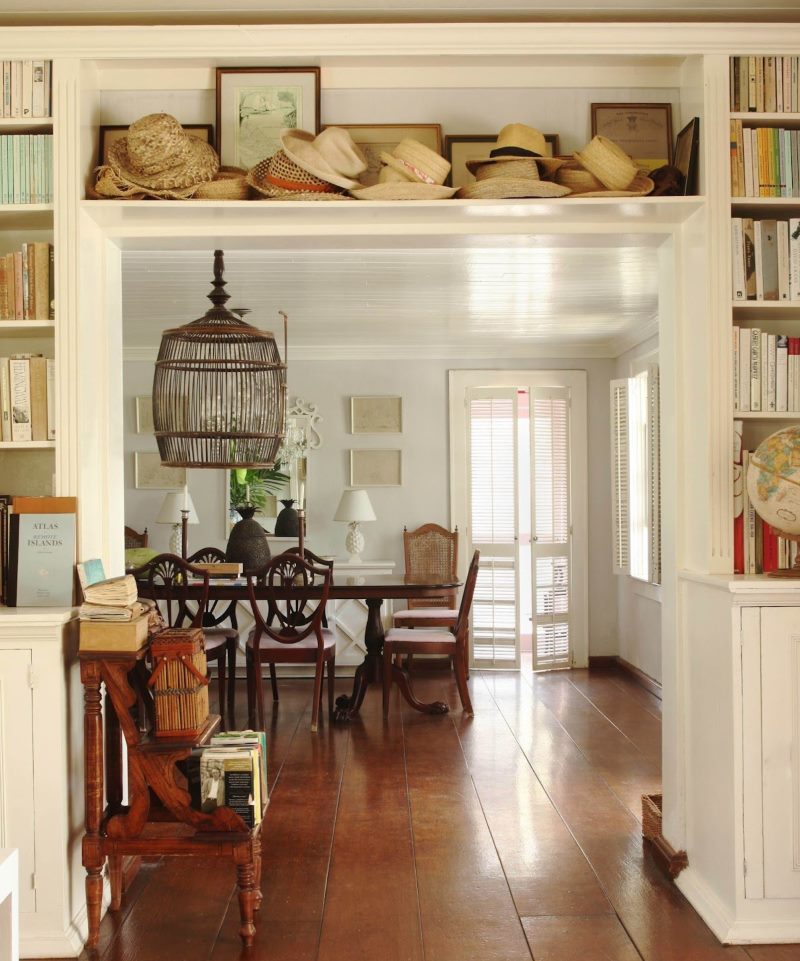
x=373, y=138
x=376, y=467
x=643, y=130
x=151, y=475
x=462, y=147
x=376, y=414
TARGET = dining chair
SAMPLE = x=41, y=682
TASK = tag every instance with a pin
x=168, y=576
x=452, y=642
x=298, y=636
x=134, y=539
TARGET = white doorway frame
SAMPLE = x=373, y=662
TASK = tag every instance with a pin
x=576, y=380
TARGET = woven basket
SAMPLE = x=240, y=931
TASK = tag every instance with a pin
x=651, y=816
x=179, y=682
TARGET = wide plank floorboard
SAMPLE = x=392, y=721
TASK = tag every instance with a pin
x=504, y=837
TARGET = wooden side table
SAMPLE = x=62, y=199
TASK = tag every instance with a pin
x=158, y=818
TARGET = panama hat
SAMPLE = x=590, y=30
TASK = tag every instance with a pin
x=411, y=171
x=517, y=140
x=613, y=168
x=280, y=178
x=518, y=178
x=160, y=157
x=331, y=156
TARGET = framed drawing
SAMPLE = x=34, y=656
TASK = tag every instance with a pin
x=374, y=138
x=376, y=415
x=376, y=468
x=643, y=130
x=108, y=133
x=152, y=475
x=685, y=159
x=144, y=415
x=461, y=147
x=255, y=103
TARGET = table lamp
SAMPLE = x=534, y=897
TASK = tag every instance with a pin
x=179, y=511
x=354, y=508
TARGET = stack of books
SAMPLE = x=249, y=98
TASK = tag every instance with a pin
x=26, y=168
x=765, y=259
x=231, y=772
x=27, y=283
x=27, y=86
x=113, y=618
x=766, y=371
x=764, y=84
x=27, y=398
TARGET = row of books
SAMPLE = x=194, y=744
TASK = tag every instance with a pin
x=37, y=550
x=764, y=84
x=26, y=168
x=765, y=259
x=27, y=88
x=27, y=283
x=766, y=371
x=231, y=771
x=765, y=161
x=27, y=398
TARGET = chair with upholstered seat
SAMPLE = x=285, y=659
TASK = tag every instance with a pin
x=430, y=551
x=171, y=575
x=298, y=636
x=453, y=643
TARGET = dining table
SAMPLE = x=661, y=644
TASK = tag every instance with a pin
x=373, y=590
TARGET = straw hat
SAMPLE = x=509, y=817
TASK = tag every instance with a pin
x=411, y=172
x=515, y=179
x=517, y=140
x=280, y=178
x=332, y=156
x=160, y=157
x=229, y=184
x=615, y=170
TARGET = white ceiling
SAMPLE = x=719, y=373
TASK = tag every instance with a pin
x=497, y=300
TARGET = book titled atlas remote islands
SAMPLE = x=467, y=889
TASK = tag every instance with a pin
x=41, y=553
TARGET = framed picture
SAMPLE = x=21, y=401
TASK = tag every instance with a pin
x=144, y=415
x=376, y=468
x=108, y=133
x=461, y=147
x=643, y=130
x=374, y=138
x=685, y=158
x=376, y=415
x=152, y=475
x=255, y=103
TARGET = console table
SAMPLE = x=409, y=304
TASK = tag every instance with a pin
x=158, y=819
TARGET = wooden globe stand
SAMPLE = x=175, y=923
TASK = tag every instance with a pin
x=794, y=570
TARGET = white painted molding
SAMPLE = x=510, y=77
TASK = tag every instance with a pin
x=710, y=907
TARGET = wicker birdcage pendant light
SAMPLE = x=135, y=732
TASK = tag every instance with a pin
x=219, y=390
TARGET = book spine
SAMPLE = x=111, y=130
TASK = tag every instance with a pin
x=779, y=85
x=737, y=403
x=5, y=401
x=783, y=259
x=51, y=399
x=769, y=258
x=734, y=154
x=16, y=88
x=769, y=85
x=760, y=99
x=5, y=313
x=748, y=230
x=51, y=283
x=752, y=91
x=772, y=372
x=787, y=158
x=6, y=88
x=20, y=387
x=794, y=258
x=41, y=288
x=26, y=287
x=38, y=388
x=27, y=87
x=18, y=314
x=747, y=150
x=755, y=369
x=737, y=255
x=37, y=93
x=781, y=372
x=763, y=353
x=759, y=268
x=744, y=369
x=733, y=79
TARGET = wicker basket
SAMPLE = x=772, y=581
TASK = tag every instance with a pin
x=179, y=682
x=651, y=816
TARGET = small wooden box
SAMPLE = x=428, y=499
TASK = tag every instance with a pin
x=179, y=682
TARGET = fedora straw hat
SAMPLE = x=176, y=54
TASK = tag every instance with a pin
x=331, y=156
x=609, y=163
x=280, y=178
x=517, y=178
x=412, y=171
x=160, y=157
x=517, y=140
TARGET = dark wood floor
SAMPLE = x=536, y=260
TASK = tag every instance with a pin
x=512, y=835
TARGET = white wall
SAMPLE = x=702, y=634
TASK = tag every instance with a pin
x=424, y=495
x=638, y=604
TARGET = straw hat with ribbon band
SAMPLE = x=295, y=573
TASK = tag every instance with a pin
x=517, y=140
x=515, y=179
x=279, y=178
x=160, y=158
x=412, y=171
x=614, y=169
x=331, y=156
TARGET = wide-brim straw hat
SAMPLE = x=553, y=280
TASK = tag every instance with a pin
x=404, y=190
x=518, y=178
x=331, y=156
x=517, y=140
x=279, y=178
x=416, y=162
x=109, y=185
x=160, y=156
x=229, y=184
x=608, y=162
x=582, y=183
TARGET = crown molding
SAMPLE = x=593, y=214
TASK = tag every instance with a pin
x=633, y=337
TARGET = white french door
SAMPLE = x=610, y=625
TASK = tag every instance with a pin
x=519, y=495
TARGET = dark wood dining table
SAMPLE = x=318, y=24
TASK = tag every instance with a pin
x=374, y=590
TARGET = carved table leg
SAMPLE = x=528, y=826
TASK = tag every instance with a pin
x=257, y=859
x=370, y=668
x=94, y=903
x=403, y=681
x=93, y=785
x=245, y=875
x=115, y=880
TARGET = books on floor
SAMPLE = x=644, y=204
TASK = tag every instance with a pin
x=223, y=775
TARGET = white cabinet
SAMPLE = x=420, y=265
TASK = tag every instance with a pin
x=41, y=776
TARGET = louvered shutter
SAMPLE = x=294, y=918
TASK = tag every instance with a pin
x=620, y=476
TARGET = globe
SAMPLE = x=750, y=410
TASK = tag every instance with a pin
x=773, y=480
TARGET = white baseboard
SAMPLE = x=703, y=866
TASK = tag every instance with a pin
x=66, y=944
x=708, y=905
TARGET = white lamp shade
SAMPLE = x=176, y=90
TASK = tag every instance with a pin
x=174, y=503
x=354, y=506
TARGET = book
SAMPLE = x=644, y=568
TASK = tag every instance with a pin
x=769, y=258
x=781, y=372
x=220, y=568
x=113, y=592
x=738, y=513
x=748, y=231
x=783, y=260
x=41, y=282
x=38, y=388
x=744, y=369
x=5, y=401
x=51, y=399
x=755, y=368
x=41, y=560
x=90, y=572
x=37, y=89
x=112, y=636
x=737, y=254
x=20, y=394
x=103, y=612
x=227, y=777
x=23, y=504
x=248, y=739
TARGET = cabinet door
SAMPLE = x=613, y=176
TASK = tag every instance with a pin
x=16, y=768
x=780, y=741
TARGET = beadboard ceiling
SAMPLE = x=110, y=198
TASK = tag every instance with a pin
x=501, y=299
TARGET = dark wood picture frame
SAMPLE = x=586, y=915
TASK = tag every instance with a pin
x=205, y=131
x=262, y=143
x=685, y=155
x=459, y=177
x=643, y=130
